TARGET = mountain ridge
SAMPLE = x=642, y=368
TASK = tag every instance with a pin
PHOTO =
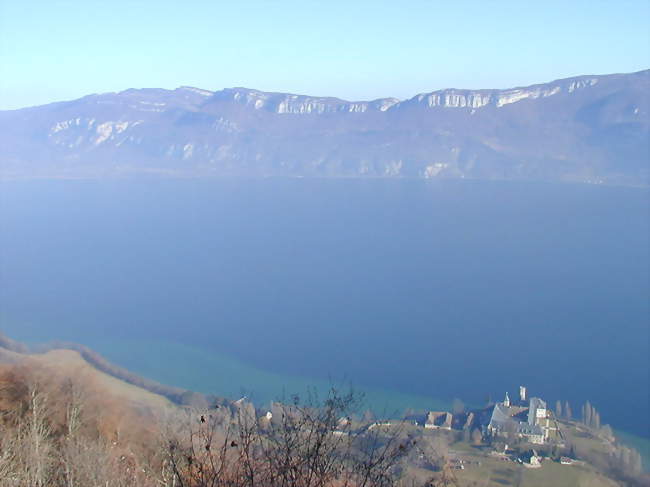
x=590, y=129
x=206, y=92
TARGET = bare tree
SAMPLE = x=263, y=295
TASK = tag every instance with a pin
x=305, y=445
x=36, y=436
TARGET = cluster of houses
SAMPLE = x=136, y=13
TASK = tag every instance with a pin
x=523, y=418
x=527, y=419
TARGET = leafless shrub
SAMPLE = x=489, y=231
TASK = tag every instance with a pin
x=303, y=445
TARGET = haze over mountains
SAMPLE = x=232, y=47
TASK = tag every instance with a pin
x=591, y=129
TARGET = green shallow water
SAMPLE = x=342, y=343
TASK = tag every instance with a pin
x=213, y=373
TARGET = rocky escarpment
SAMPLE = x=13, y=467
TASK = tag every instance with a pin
x=589, y=129
x=450, y=98
x=298, y=104
x=498, y=98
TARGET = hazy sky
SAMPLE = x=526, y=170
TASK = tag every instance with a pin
x=53, y=50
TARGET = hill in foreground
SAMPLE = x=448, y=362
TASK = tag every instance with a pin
x=64, y=422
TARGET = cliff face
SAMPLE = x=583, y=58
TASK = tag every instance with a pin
x=589, y=129
x=481, y=98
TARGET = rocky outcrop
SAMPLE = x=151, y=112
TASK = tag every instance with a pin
x=498, y=98
x=282, y=103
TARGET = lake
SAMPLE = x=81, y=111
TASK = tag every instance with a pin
x=416, y=291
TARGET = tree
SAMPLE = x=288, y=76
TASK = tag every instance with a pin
x=50, y=435
x=586, y=413
x=457, y=406
x=636, y=464
x=626, y=461
x=606, y=430
x=307, y=446
x=596, y=420
x=568, y=413
x=37, y=439
x=558, y=409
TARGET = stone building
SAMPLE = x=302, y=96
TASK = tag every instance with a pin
x=527, y=419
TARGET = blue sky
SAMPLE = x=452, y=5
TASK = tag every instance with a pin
x=55, y=50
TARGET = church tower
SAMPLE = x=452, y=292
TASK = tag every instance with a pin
x=506, y=401
x=522, y=393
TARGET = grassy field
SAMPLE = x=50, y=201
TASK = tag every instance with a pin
x=70, y=364
x=483, y=469
x=497, y=473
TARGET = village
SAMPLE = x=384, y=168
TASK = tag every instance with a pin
x=515, y=441
x=521, y=431
x=524, y=421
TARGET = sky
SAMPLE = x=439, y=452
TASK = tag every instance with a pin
x=57, y=50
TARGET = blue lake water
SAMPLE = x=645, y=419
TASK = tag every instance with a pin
x=424, y=291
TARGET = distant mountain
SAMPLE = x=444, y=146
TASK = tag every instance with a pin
x=588, y=129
